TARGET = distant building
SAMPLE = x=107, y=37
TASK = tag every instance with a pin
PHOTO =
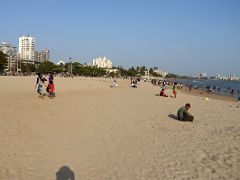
x=26, y=49
x=232, y=77
x=203, y=75
x=60, y=63
x=158, y=71
x=102, y=62
x=41, y=56
x=11, y=52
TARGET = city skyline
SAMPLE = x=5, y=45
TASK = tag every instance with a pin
x=180, y=37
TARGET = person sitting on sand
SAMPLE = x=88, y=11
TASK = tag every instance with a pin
x=183, y=114
x=134, y=84
x=162, y=93
x=115, y=83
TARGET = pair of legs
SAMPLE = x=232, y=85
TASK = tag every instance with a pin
x=39, y=90
x=188, y=118
x=51, y=94
x=175, y=93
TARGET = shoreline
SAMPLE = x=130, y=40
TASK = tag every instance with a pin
x=202, y=93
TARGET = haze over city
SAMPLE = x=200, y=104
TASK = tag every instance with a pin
x=185, y=37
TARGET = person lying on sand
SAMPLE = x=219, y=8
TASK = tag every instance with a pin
x=183, y=114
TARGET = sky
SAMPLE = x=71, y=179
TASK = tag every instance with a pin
x=179, y=36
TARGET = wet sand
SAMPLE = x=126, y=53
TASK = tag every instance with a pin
x=91, y=131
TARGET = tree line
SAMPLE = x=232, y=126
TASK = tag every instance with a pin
x=76, y=68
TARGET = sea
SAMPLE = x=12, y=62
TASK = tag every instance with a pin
x=222, y=87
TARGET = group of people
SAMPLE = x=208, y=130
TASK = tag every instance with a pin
x=134, y=82
x=174, y=90
x=41, y=82
x=182, y=114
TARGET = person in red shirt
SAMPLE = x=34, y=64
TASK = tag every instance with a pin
x=51, y=89
x=162, y=93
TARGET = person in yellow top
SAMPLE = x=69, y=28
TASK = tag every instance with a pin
x=175, y=89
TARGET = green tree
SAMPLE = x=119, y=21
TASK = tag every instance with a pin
x=3, y=61
x=154, y=74
x=171, y=75
x=27, y=68
x=151, y=71
x=142, y=70
x=46, y=67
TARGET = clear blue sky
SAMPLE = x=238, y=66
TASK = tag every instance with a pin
x=181, y=36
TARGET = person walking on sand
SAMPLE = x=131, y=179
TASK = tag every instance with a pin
x=183, y=114
x=50, y=81
x=51, y=90
x=190, y=87
x=175, y=89
x=39, y=83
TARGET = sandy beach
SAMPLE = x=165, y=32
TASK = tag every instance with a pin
x=103, y=133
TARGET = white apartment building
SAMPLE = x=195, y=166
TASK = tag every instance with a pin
x=26, y=48
x=11, y=52
x=60, y=63
x=158, y=71
x=102, y=62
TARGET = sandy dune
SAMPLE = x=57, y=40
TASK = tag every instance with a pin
x=102, y=133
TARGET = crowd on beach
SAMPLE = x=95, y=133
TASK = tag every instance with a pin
x=208, y=89
x=217, y=90
x=182, y=114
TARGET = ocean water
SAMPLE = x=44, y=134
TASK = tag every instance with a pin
x=225, y=87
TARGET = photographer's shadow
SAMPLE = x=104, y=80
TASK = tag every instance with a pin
x=65, y=173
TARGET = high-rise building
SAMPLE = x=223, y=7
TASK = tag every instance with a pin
x=11, y=52
x=26, y=48
x=41, y=56
x=160, y=72
x=102, y=62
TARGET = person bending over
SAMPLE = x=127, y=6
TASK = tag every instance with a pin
x=183, y=114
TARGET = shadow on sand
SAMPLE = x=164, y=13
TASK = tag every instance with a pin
x=173, y=117
x=65, y=173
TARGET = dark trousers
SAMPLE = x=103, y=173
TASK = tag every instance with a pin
x=188, y=118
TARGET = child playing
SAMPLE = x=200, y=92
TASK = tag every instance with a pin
x=162, y=93
x=175, y=89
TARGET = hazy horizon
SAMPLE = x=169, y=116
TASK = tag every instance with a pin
x=183, y=37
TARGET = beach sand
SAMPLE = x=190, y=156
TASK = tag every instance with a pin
x=103, y=133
